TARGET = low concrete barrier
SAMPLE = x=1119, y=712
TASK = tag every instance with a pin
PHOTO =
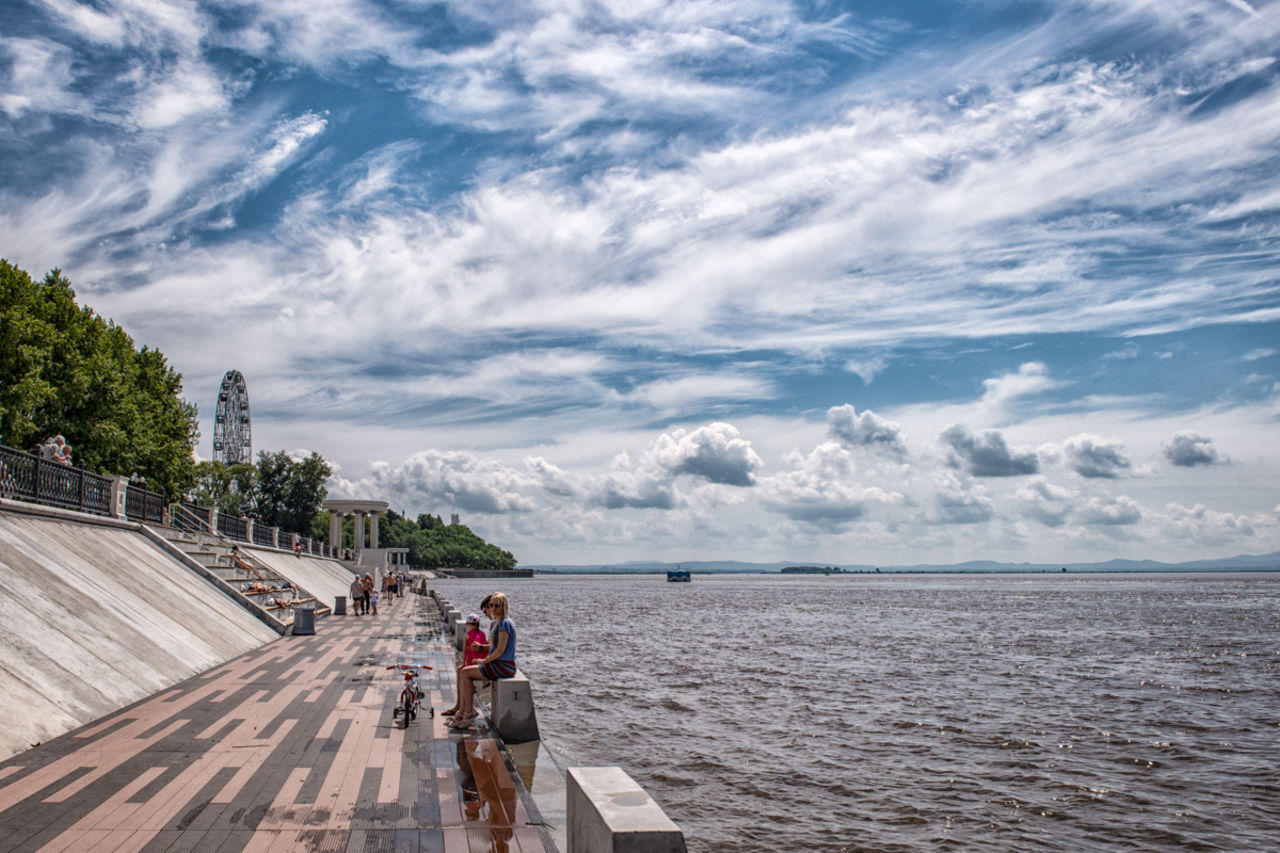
x=511, y=709
x=304, y=619
x=607, y=812
x=459, y=635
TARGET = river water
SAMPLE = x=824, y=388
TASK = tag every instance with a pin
x=909, y=713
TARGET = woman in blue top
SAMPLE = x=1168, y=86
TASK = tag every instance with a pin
x=499, y=663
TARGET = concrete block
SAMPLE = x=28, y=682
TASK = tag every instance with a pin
x=609, y=813
x=511, y=707
x=459, y=634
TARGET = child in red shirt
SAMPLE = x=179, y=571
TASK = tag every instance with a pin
x=476, y=646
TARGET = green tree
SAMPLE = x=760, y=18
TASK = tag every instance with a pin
x=288, y=492
x=230, y=488
x=433, y=544
x=65, y=370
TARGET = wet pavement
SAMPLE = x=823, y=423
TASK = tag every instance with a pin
x=289, y=747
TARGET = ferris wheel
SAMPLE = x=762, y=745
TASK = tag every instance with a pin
x=232, y=429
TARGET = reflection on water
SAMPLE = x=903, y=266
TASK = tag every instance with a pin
x=490, y=805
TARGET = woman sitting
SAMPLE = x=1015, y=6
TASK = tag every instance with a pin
x=499, y=663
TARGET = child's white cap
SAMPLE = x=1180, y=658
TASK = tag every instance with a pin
x=473, y=619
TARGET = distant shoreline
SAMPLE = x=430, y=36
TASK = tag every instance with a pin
x=940, y=571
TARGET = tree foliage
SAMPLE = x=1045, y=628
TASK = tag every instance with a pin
x=433, y=544
x=65, y=370
x=230, y=488
x=279, y=491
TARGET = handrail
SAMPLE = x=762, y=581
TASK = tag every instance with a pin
x=143, y=505
x=28, y=477
x=189, y=516
x=233, y=527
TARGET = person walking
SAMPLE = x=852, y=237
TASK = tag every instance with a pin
x=366, y=591
x=357, y=595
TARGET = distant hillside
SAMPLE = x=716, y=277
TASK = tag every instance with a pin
x=1241, y=562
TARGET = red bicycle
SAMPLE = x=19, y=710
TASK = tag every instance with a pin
x=411, y=695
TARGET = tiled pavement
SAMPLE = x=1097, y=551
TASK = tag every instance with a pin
x=290, y=747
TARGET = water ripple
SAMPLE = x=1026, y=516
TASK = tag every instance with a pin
x=1004, y=713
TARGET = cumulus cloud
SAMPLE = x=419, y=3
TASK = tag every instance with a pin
x=1189, y=450
x=645, y=489
x=821, y=490
x=868, y=429
x=1044, y=502
x=1203, y=526
x=988, y=454
x=959, y=502
x=715, y=454
x=1096, y=457
x=1121, y=511
x=469, y=482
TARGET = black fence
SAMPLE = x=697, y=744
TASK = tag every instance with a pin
x=264, y=536
x=233, y=528
x=143, y=505
x=27, y=477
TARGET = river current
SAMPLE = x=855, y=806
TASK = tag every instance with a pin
x=911, y=713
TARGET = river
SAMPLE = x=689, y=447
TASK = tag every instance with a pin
x=919, y=712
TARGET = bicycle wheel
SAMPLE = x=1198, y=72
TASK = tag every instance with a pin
x=408, y=707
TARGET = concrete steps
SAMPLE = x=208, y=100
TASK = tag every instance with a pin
x=264, y=588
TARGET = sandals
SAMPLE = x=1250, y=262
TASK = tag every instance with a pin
x=462, y=721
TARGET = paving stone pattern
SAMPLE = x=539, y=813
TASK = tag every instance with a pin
x=290, y=747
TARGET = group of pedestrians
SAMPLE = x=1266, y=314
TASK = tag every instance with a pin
x=484, y=658
x=365, y=593
x=55, y=449
x=364, y=598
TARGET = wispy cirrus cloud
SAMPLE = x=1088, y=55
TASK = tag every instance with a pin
x=620, y=274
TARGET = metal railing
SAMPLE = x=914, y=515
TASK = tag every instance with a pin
x=28, y=477
x=263, y=535
x=190, y=516
x=233, y=528
x=143, y=505
x=25, y=476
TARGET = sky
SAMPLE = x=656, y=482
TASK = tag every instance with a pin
x=836, y=282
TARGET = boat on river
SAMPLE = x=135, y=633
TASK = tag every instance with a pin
x=678, y=575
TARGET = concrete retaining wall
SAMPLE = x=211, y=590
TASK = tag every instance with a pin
x=325, y=579
x=93, y=617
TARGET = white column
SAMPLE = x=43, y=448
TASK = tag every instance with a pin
x=359, y=518
x=335, y=528
x=373, y=529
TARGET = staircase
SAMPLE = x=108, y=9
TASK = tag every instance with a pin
x=265, y=590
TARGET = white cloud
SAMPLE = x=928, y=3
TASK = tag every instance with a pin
x=452, y=479
x=868, y=429
x=1106, y=512
x=1189, y=450
x=1094, y=456
x=987, y=454
x=821, y=490
x=960, y=502
x=1046, y=503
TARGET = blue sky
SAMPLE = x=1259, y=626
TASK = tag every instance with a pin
x=838, y=282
